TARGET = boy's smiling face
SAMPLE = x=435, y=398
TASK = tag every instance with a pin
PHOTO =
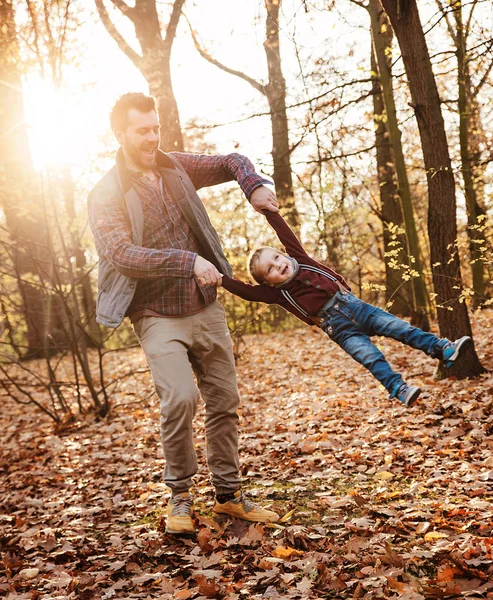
x=274, y=267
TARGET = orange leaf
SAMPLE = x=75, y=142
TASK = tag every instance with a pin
x=185, y=594
x=445, y=573
x=207, y=587
x=286, y=553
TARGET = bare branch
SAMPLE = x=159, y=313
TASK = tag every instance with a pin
x=173, y=23
x=445, y=14
x=254, y=83
x=116, y=35
x=485, y=76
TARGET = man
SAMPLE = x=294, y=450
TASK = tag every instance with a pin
x=160, y=261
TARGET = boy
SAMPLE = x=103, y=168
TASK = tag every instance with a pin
x=318, y=295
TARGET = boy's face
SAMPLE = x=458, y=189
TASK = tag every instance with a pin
x=274, y=267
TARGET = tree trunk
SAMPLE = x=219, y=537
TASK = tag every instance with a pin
x=382, y=42
x=276, y=96
x=398, y=293
x=468, y=115
x=275, y=92
x=82, y=277
x=453, y=318
x=155, y=61
x=19, y=199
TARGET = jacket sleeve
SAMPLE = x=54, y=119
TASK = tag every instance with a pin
x=253, y=293
x=205, y=170
x=294, y=247
x=285, y=234
x=261, y=293
x=113, y=236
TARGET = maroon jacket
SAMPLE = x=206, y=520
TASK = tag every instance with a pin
x=303, y=296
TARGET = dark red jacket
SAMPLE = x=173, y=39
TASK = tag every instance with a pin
x=303, y=296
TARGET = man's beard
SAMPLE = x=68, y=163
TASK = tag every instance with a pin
x=141, y=160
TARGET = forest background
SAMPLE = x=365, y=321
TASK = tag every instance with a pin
x=375, y=126
x=373, y=119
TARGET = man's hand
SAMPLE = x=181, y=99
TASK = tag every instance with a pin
x=263, y=198
x=205, y=272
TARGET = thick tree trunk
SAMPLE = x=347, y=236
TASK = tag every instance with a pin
x=276, y=96
x=453, y=318
x=398, y=293
x=157, y=71
x=155, y=61
x=382, y=42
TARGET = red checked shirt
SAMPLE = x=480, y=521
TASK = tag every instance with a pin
x=163, y=265
x=304, y=296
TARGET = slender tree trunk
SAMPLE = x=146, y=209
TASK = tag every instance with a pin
x=453, y=318
x=276, y=96
x=398, y=293
x=81, y=277
x=275, y=92
x=468, y=114
x=382, y=42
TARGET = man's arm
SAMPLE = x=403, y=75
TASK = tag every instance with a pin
x=113, y=235
x=205, y=170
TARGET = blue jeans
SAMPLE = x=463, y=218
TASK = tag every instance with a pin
x=350, y=323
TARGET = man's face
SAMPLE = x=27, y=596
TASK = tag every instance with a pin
x=140, y=140
x=274, y=267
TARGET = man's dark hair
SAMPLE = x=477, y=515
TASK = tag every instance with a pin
x=119, y=112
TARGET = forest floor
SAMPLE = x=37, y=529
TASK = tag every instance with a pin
x=377, y=501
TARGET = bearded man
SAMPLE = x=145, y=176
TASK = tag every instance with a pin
x=160, y=262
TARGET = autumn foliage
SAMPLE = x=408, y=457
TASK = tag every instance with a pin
x=376, y=501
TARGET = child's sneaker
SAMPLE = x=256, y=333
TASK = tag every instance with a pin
x=408, y=394
x=242, y=508
x=452, y=350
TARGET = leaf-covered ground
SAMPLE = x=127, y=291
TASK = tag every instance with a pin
x=377, y=501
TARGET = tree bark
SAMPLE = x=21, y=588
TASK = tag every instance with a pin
x=382, y=42
x=155, y=61
x=276, y=96
x=453, y=318
x=398, y=293
x=471, y=174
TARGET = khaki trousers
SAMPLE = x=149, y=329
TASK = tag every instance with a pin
x=176, y=349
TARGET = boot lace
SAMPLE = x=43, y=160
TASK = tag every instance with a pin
x=248, y=505
x=182, y=506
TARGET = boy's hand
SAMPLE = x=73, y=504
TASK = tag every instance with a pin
x=263, y=198
x=206, y=272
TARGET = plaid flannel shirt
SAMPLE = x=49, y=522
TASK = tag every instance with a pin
x=163, y=265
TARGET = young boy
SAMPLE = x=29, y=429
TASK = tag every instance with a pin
x=318, y=295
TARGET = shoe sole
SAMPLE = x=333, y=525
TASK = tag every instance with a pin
x=175, y=532
x=226, y=514
x=464, y=342
x=412, y=398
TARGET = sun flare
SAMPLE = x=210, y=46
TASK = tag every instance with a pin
x=61, y=126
